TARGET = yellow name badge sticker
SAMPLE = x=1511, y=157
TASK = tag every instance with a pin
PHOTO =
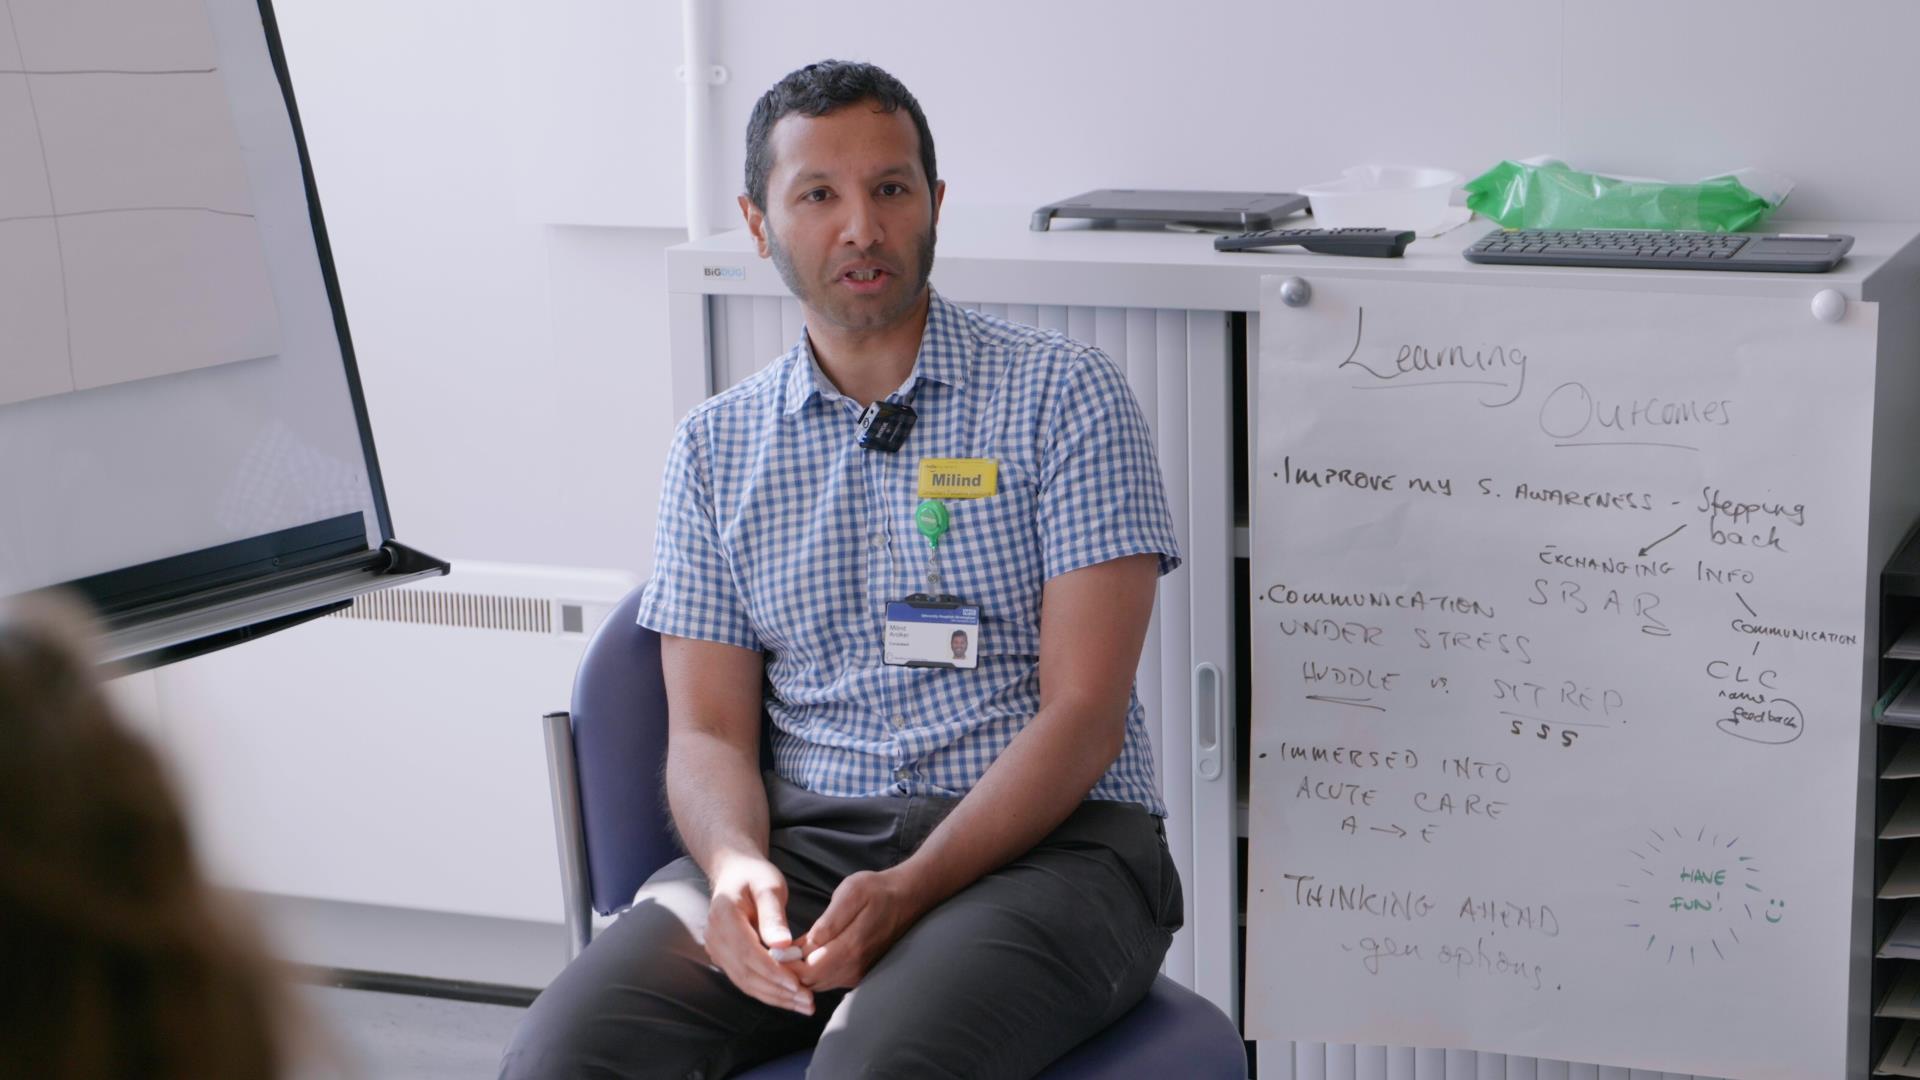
x=958, y=478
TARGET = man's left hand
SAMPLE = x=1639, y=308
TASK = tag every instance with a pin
x=867, y=914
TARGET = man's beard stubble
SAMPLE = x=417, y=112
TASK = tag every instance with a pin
x=819, y=299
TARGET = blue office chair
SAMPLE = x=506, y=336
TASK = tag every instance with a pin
x=604, y=761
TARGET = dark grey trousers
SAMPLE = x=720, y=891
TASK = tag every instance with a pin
x=1004, y=977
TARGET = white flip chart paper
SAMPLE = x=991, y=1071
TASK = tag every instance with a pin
x=1557, y=672
x=124, y=195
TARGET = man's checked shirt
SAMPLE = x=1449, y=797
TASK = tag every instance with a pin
x=778, y=533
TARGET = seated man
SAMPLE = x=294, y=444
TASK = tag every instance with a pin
x=956, y=866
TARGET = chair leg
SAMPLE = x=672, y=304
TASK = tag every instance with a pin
x=563, y=782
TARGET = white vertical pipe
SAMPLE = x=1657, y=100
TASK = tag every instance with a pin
x=697, y=66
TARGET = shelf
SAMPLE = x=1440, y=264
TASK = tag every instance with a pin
x=1904, y=882
x=1902, y=575
x=1905, y=822
x=1903, y=943
x=1896, y=958
x=1904, y=709
x=1903, y=1053
x=1908, y=645
x=1902, y=1000
x=1906, y=761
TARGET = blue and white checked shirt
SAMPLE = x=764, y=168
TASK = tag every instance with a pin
x=778, y=533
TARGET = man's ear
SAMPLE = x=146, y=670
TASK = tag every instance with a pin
x=756, y=224
x=939, y=196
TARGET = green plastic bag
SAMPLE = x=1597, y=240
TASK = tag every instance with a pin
x=1550, y=195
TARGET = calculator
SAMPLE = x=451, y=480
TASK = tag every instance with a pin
x=1657, y=249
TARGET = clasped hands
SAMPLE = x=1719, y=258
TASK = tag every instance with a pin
x=748, y=937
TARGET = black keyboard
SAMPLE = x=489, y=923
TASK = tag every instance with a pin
x=1651, y=249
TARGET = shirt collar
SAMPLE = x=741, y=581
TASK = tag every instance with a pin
x=946, y=352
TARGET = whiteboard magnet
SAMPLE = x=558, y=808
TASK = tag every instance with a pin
x=1295, y=292
x=1829, y=305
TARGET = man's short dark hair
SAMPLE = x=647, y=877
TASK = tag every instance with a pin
x=816, y=90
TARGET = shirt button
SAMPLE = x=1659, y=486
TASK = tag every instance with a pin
x=902, y=774
x=899, y=721
x=879, y=539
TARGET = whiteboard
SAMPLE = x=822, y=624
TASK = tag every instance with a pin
x=1557, y=605
x=183, y=378
x=126, y=169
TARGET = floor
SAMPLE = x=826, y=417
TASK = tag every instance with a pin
x=367, y=1035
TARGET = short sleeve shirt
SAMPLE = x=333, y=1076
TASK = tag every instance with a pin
x=778, y=533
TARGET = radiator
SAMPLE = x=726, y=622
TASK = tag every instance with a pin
x=390, y=754
x=1335, y=1061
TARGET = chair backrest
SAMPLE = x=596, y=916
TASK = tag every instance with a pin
x=620, y=749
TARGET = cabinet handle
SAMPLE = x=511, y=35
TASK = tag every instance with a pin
x=1207, y=721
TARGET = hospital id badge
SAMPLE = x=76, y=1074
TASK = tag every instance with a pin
x=926, y=632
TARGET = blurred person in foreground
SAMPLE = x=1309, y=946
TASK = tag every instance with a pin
x=117, y=960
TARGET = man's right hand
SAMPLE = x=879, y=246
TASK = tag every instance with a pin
x=746, y=921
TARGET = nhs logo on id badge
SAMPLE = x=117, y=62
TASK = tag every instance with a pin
x=933, y=633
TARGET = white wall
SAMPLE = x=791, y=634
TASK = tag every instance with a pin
x=515, y=374
x=1031, y=102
